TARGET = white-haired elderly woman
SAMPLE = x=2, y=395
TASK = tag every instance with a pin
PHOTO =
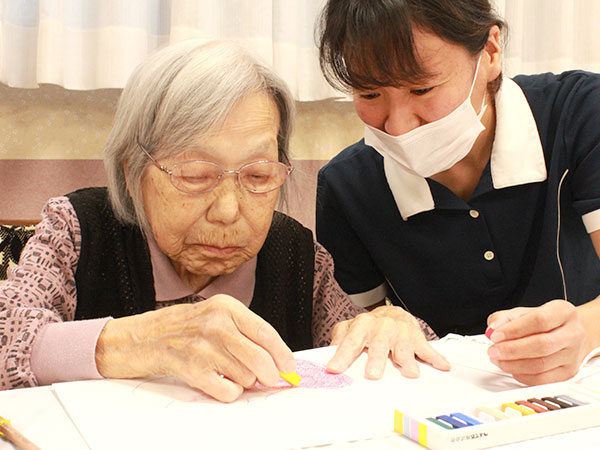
x=182, y=266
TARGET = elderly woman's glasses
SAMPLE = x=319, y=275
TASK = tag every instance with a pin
x=195, y=177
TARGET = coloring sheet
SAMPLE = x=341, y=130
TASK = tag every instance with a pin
x=163, y=413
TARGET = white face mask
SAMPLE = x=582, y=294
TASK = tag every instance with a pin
x=436, y=146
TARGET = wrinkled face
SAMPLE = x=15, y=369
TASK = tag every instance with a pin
x=398, y=110
x=212, y=233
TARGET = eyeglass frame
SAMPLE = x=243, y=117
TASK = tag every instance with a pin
x=289, y=168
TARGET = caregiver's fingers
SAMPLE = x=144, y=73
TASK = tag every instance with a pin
x=523, y=322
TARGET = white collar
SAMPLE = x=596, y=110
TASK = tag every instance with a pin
x=517, y=155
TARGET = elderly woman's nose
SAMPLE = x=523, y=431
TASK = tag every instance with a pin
x=225, y=207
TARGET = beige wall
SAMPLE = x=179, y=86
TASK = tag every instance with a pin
x=51, y=142
x=54, y=123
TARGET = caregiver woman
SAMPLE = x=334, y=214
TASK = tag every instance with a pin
x=473, y=200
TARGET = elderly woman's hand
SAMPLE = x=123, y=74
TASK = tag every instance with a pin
x=217, y=346
x=385, y=331
x=540, y=345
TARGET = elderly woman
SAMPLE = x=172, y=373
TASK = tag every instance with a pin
x=181, y=266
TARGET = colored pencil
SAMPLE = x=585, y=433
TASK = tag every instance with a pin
x=12, y=435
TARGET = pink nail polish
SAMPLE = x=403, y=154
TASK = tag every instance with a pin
x=488, y=333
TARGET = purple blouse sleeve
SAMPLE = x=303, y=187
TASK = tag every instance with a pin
x=37, y=300
x=332, y=305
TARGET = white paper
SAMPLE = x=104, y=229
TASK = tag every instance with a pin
x=36, y=413
x=161, y=413
x=470, y=362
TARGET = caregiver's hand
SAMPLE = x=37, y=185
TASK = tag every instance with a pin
x=539, y=345
x=385, y=331
x=217, y=346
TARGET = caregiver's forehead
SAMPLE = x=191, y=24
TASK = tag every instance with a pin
x=430, y=59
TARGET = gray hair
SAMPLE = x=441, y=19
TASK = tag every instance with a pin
x=172, y=99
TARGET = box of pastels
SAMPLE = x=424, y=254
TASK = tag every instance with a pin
x=503, y=418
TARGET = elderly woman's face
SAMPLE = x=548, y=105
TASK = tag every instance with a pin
x=212, y=233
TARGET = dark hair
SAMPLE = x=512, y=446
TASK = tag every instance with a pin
x=365, y=44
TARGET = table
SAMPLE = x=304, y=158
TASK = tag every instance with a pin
x=40, y=416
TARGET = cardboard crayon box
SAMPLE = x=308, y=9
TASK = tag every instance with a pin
x=502, y=418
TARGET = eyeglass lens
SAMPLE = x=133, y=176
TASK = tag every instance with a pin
x=201, y=176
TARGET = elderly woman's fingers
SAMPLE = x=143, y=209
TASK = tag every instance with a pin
x=264, y=335
x=198, y=362
x=404, y=356
x=255, y=359
x=382, y=333
x=351, y=346
x=428, y=354
x=216, y=386
x=378, y=354
x=385, y=329
x=339, y=332
x=218, y=346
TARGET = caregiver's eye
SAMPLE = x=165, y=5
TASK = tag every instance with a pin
x=422, y=91
x=369, y=95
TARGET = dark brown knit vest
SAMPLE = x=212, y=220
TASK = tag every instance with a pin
x=114, y=272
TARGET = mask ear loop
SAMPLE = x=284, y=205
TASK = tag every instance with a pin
x=483, y=103
x=475, y=76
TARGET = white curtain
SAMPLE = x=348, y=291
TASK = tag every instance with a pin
x=93, y=44
x=551, y=35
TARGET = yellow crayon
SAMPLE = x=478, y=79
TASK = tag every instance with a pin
x=293, y=378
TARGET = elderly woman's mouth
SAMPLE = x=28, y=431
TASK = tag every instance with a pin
x=218, y=251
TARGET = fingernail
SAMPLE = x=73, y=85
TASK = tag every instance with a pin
x=497, y=323
x=497, y=336
x=374, y=373
x=488, y=333
x=371, y=375
x=444, y=365
x=290, y=367
x=411, y=372
x=332, y=368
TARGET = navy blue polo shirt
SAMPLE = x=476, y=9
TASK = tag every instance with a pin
x=520, y=240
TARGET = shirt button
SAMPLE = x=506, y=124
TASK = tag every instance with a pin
x=474, y=213
x=489, y=255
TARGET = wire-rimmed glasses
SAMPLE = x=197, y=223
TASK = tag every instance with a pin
x=196, y=176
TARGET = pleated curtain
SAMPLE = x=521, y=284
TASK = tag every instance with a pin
x=94, y=44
